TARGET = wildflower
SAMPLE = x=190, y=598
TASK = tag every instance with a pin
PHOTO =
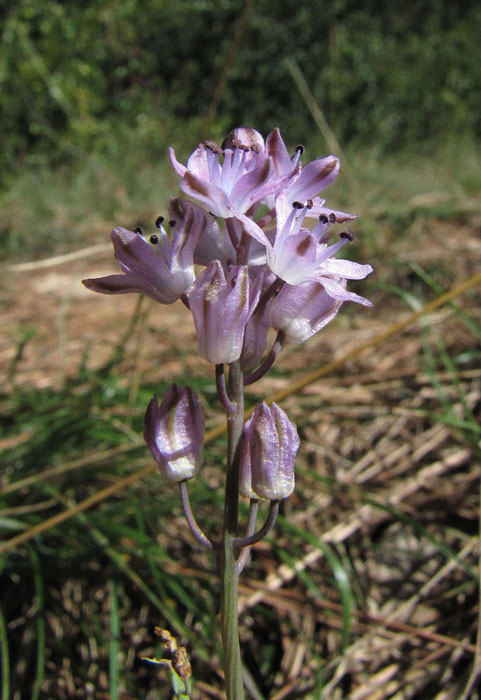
x=299, y=255
x=221, y=306
x=174, y=433
x=163, y=271
x=269, y=447
x=246, y=176
x=301, y=311
x=214, y=243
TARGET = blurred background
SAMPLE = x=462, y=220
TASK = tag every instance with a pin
x=385, y=603
x=93, y=93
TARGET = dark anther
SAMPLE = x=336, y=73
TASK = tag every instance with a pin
x=172, y=222
x=309, y=204
x=300, y=148
x=212, y=146
x=154, y=239
x=297, y=205
x=137, y=229
x=255, y=148
x=212, y=214
x=323, y=219
x=347, y=234
x=159, y=221
x=332, y=218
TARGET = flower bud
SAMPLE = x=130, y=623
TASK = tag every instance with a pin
x=174, y=433
x=269, y=447
x=221, y=307
x=246, y=138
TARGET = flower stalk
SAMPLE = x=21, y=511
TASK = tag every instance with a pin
x=229, y=566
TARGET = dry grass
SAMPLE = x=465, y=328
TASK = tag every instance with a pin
x=369, y=587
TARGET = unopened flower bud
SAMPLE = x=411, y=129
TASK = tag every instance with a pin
x=221, y=307
x=244, y=137
x=269, y=447
x=174, y=433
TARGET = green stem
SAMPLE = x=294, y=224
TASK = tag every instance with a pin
x=230, y=575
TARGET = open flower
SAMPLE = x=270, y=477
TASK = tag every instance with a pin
x=299, y=255
x=245, y=177
x=163, y=271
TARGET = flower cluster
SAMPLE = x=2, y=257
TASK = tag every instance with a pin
x=251, y=250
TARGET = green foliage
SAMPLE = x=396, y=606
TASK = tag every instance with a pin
x=70, y=73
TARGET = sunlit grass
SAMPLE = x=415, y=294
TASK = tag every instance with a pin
x=390, y=458
x=49, y=209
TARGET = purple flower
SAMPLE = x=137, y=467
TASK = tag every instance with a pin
x=163, y=270
x=221, y=306
x=214, y=243
x=269, y=447
x=246, y=176
x=174, y=433
x=302, y=311
x=255, y=337
x=299, y=255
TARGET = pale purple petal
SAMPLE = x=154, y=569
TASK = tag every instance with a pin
x=314, y=177
x=221, y=308
x=273, y=445
x=125, y=284
x=147, y=270
x=335, y=289
x=212, y=196
x=178, y=167
x=346, y=268
x=276, y=149
x=174, y=433
x=252, y=228
x=295, y=258
x=301, y=311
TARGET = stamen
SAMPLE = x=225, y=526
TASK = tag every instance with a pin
x=309, y=204
x=332, y=218
x=159, y=221
x=172, y=222
x=297, y=205
x=138, y=229
x=154, y=239
x=347, y=234
x=212, y=146
x=323, y=219
x=300, y=149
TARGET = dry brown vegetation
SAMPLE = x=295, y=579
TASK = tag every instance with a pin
x=369, y=587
